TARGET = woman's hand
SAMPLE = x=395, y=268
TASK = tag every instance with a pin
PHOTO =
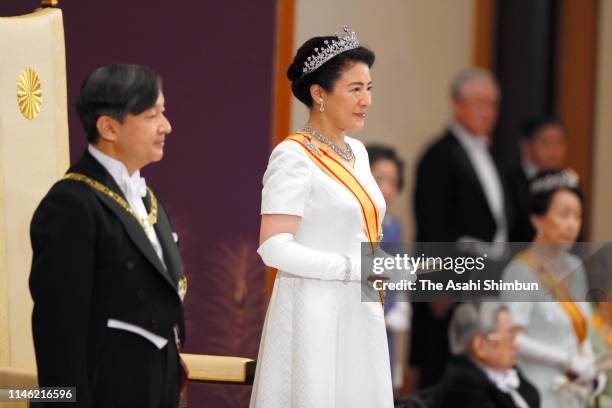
x=583, y=367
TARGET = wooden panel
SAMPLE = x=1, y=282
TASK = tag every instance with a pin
x=284, y=56
x=483, y=53
x=576, y=88
x=282, y=95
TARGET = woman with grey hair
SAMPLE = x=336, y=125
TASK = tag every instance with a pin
x=481, y=372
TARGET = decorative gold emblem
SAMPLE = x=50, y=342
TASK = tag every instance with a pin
x=182, y=287
x=29, y=93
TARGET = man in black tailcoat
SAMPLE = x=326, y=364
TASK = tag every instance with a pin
x=460, y=198
x=107, y=278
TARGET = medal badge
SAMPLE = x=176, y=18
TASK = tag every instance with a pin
x=182, y=287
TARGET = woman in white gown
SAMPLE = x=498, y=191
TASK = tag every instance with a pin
x=556, y=322
x=322, y=345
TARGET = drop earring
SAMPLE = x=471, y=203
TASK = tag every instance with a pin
x=321, y=108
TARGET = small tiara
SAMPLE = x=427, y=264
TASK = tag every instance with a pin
x=322, y=55
x=565, y=179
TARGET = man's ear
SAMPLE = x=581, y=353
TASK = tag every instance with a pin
x=108, y=128
x=456, y=106
x=478, y=345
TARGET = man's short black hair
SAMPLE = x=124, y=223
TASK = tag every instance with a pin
x=116, y=90
x=533, y=125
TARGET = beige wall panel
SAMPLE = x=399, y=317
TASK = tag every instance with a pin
x=419, y=45
x=601, y=220
x=33, y=155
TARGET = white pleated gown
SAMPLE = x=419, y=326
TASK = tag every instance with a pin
x=321, y=346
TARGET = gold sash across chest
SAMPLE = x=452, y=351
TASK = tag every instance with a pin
x=332, y=166
x=558, y=290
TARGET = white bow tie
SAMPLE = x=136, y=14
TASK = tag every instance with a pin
x=509, y=380
x=504, y=380
x=134, y=186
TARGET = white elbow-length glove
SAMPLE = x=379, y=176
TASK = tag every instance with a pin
x=282, y=252
x=582, y=366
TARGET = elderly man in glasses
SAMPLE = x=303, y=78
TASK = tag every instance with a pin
x=482, y=373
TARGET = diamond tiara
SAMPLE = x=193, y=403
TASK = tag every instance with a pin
x=566, y=179
x=324, y=54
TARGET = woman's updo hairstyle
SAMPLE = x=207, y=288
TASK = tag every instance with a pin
x=380, y=152
x=543, y=187
x=326, y=74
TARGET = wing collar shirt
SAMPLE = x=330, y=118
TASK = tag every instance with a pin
x=508, y=382
x=134, y=189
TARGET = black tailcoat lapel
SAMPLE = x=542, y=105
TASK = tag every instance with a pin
x=462, y=159
x=172, y=257
x=90, y=167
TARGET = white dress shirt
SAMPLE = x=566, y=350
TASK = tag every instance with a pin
x=477, y=149
x=508, y=382
x=134, y=189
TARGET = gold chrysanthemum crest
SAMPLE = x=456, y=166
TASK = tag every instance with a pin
x=29, y=93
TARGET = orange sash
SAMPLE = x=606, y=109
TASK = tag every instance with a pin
x=326, y=160
x=559, y=291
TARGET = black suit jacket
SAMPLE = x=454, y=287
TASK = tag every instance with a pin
x=523, y=231
x=449, y=203
x=449, y=200
x=92, y=261
x=466, y=386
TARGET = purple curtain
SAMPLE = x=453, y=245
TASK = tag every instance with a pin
x=217, y=62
